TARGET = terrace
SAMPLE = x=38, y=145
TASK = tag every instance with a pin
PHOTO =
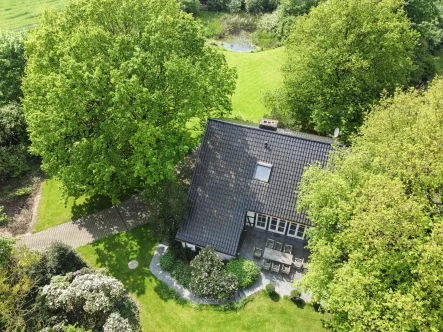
x=255, y=238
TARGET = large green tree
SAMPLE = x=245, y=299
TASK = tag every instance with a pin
x=112, y=89
x=340, y=58
x=377, y=239
x=12, y=66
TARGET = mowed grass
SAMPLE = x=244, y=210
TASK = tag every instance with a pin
x=257, y=72
x=54, y=210
x=23, y=14
x=160, y=310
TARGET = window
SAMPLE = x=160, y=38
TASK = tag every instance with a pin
x=262, y=221
x=277, y=225
x=262, y=172
x=296, y=230
x=301, y=231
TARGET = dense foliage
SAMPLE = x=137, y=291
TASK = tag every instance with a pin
x=111, y=87
x=12, y=66
x=94, y=301
x=14, y=158
x=167, y=208
x=336, y=68
x=18, y=287
x=377, y=240
x=270, y=288
x=175, y=262
x=209, y=278
x=61, y=259
x=245, y=270
x=190, y=6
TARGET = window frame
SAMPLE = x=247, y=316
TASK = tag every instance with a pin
x=279, y=221
x=264, y=165
x=266, y=221
x=297, y=228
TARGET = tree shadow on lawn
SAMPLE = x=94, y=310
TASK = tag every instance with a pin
x=115, y=251
x=166, y=293
x=300, y=303
x=90, y=205
x=275, y=297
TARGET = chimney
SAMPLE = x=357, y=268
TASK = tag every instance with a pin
x=268, y=124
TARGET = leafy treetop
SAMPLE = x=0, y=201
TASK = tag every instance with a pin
x=341, y=57
x=377, y=238
x=112, y=88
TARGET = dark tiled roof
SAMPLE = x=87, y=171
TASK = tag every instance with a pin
x=223, y=186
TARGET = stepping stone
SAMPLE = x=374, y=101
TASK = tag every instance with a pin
x=132, y=264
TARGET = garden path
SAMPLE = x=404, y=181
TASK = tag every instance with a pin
x=76, y=233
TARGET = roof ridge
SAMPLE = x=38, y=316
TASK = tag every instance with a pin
x=271, y=131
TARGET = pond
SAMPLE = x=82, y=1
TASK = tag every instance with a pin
x=239, y=43
x=237, y=47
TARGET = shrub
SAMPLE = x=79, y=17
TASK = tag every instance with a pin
x=13, y=161
x=270, y=288
x=23, y=191
x=190, y=6
x=265, y=39
x=295, y=293
x=167, y=261
x=209, y=278
x=217, y=5
x=94, y=300
x=3, y=216
x=254, y=6
x=61, y=259
x=245, y=270
x=182, y=273
x=269, y=22
x=235, y=6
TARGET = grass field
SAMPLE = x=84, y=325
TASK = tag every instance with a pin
x=160, y=310
x=257, y=72
x=53, y=210
x=21, y=14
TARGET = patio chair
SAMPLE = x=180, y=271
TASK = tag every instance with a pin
x=278, y=246
x=270, y=243
x=288, y=249
x=275, y=267
x=266, y=265
x=257, y=252
x=285, y=269
x=298, y=262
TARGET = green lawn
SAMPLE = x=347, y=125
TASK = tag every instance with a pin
x=161, y=311
x=21, y=14
x=54, y=210
x=257, y=73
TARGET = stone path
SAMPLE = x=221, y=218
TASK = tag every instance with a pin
x=76, y=233
x=281, y=287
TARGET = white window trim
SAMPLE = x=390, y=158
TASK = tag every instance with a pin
x=296, y=231
x=267, y=221
x=278, y=223
x=262, y=164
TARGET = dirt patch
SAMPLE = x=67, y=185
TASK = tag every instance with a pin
x=22, y=210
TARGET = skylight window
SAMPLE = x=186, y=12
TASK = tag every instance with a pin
x=262, y=171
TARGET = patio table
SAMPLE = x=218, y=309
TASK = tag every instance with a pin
x=277, y=256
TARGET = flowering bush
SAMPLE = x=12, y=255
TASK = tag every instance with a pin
x=245, y=270
x=94, y=301
x=209, y=278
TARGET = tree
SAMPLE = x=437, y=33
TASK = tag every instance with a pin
x=378, y=229
x=18, y=287
x=91, y=300
x=341, y=57
x=209, y=278
x=12, y=65
x=168, y=208
x=113, y=88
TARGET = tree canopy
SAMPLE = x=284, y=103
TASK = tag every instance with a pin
x=340, y=58
x=113, y=88
x=377, y=239
x=12, y=66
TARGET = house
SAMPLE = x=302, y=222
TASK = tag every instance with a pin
x=247, y=177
